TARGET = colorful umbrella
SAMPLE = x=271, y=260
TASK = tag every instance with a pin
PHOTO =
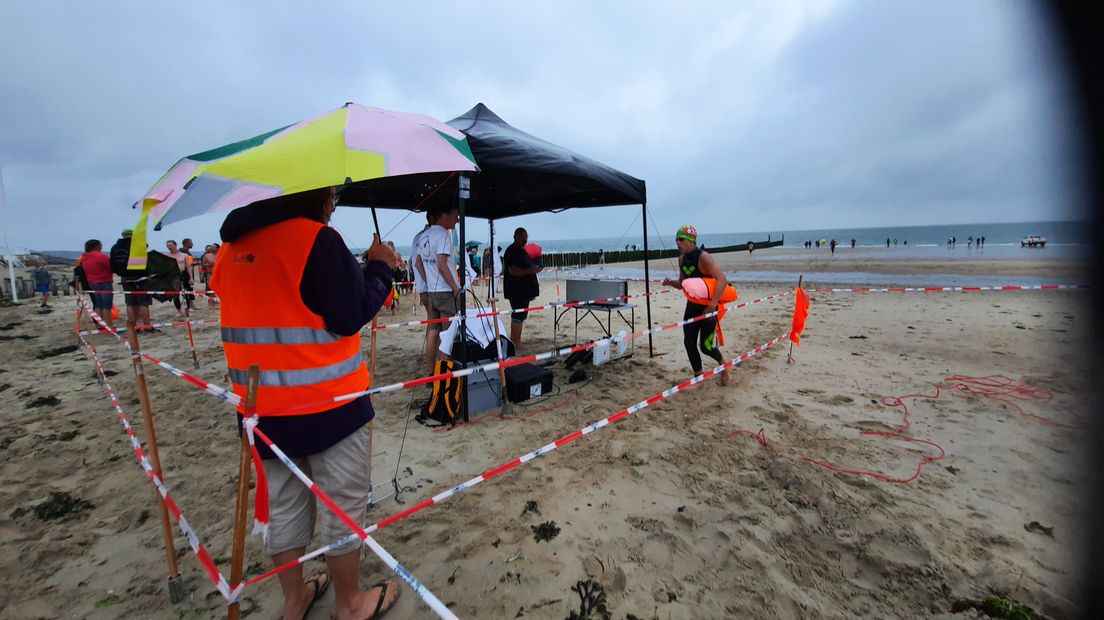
x=349, y=144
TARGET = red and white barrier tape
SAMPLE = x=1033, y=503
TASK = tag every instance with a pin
x=513, y=361
x=525, y=458
x=200, y=551
x=963, y=289
x=155, y=325
x=567, y=304
x=202, y=384
x=423, y=592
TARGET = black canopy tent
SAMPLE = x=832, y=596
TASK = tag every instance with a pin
x=519, y=174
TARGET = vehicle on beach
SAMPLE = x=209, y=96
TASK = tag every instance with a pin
x=1033, y=241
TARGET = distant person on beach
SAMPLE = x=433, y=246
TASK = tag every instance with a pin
x=751, y=246
x=137, y=304
x=894, y=241
x=833, y=246
x=970, y=241
x=887, y=242
x=305, y=336
x=97, y=272
x=852, y=244
x=42, y=283
x=694, y=262
x=519, y=282
x=601, y=257
x=488, y=263
x=954, y=241
x=185, y=281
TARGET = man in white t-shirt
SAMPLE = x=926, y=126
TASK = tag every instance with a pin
x=417, y=271
x=442, y=285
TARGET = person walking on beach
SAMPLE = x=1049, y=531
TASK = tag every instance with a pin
x=185, y=282
x=519, y=282
x=137, y=304
x=42, y=283
x=97, y=271
x=833, y=246
x=306, y=339
x=696, y=263
x=887, y=242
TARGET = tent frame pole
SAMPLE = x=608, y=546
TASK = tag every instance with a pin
x=463, y=192
x=647, y=278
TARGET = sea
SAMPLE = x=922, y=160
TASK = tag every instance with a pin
x=1075, y=235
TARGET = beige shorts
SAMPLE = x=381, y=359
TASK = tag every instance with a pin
x=343, y=471
x=441, y=306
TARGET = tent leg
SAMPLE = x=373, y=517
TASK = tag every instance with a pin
x=647, y=279
x=463, y=193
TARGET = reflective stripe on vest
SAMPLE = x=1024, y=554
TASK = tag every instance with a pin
x=308, y=376
x=278, y=335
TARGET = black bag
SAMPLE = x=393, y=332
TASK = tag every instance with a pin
x=444, y=405
x=476, y=353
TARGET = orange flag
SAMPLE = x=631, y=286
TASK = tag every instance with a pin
x=801, y=312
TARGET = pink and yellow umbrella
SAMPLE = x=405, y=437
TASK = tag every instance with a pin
x=350, y=144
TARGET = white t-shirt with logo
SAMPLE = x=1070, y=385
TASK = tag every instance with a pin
x=419, y=282
x=433, y=242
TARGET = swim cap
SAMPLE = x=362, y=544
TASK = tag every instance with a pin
x=687, y=232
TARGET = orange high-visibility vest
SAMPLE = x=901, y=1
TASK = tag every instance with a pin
x=265, y=322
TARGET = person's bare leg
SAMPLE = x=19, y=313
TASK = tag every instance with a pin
x=433, y=347
x=297, y=595
x=515, y=333
x=349, y=600
x=132, y=314
x=144, y=315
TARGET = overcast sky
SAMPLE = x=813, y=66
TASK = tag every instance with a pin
x=741, y=116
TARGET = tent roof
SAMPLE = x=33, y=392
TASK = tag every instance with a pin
x=519, y=174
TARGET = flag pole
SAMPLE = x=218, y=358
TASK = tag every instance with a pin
x=789, y=356
x=176, y=586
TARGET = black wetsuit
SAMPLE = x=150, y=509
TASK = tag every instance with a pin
x=698, y=333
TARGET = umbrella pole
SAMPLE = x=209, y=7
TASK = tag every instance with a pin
x=375, y=319
x=241, y=508
x=176, y=585
x=647, y=280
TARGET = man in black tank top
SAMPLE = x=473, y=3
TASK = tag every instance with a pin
x=697, y=263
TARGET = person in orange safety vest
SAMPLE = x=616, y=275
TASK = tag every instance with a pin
x=294, y=299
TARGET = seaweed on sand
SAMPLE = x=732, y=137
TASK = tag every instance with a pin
x=592, y=601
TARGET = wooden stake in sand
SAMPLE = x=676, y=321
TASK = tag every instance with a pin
x=789, y=356
x=241, y=509
x=176, y=586
x=505, y=404
x=191, y=338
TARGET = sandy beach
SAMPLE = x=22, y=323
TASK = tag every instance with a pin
x=675, y=510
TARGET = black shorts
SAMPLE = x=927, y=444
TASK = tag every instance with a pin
x=141, y=299
x=518, y=304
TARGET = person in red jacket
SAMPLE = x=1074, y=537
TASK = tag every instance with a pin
x=294, y=300
x=97, y=271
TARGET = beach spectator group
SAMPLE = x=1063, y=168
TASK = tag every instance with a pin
x=95, y=270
